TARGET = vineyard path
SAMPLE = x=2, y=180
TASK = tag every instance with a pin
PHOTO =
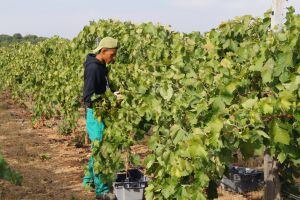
x=51, y=165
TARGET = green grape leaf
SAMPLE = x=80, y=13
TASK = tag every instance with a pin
x=280, y=135
x=267, y=71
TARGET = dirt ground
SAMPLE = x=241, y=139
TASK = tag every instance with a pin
x=51, y=165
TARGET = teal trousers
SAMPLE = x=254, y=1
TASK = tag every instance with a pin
x=95, y=130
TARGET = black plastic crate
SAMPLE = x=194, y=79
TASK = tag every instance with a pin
x=242, y=180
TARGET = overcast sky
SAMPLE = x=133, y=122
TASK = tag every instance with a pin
x=67, y=17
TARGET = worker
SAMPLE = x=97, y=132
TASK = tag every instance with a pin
x=95, y=83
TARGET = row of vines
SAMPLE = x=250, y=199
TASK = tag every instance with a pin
x=195, y=99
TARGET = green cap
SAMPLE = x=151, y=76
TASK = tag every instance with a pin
x=107, y=42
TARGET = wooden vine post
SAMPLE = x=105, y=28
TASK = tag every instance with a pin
x=271, y=176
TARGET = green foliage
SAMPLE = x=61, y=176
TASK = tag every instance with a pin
x=204, y=97
x=8, y=174
x=49, y=80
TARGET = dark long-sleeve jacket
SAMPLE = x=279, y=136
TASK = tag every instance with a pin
x=95, y=79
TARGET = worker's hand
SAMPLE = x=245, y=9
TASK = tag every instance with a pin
x=118, y=95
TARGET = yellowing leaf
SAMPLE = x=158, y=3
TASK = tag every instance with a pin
x=166, y=93
x=267, y=71
x=263, y=134
x=231, y=87
x=267, y=108
x=280, y=135
x=249, y=103
x=225, y=63
x=281, y=157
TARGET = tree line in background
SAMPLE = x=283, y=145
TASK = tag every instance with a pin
x=5, y=40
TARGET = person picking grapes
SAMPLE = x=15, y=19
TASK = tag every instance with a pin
x=96, y=83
